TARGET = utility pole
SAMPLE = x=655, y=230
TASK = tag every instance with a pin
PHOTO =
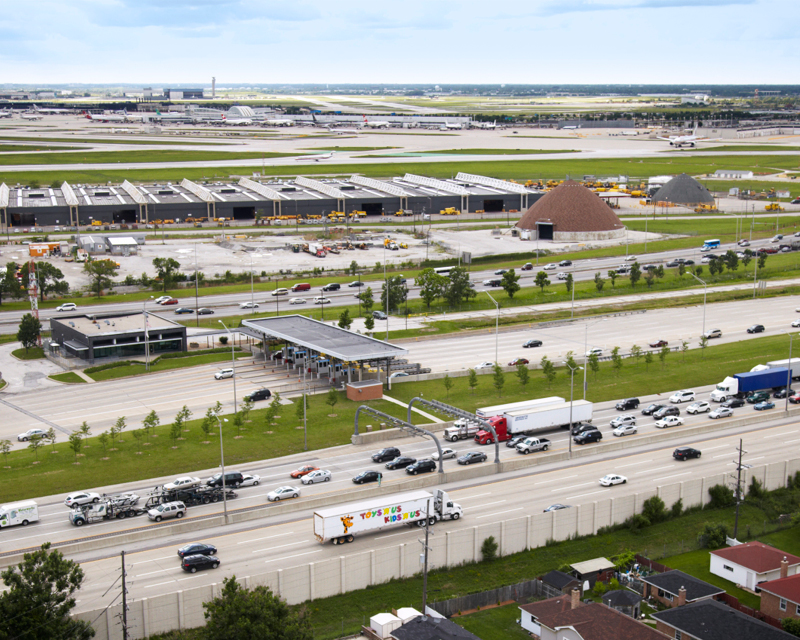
x=425, y=558
x=124, y=601
x=738, y=492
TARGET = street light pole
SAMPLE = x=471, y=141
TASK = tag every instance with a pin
x=146, y=338
x=571, y=390
x=386, y=290
x=789, y=374
x=496, y=325
x=233, y=364
x=222, y=464
x=252, y=295
x=705, y=291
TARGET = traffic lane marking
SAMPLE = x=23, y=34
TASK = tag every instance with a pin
x=489, y=515
x=296, y=555
x=673, y=476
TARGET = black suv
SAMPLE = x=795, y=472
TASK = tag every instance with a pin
x=588, y=436
x=379, y=315
x=421, y=466
x=384, y=455
x=232, y=479
x=400, y=462
x=565, y=263
x=663, y=412
x=651, y=409
x=684, y=453
x=733, y=403
x=332, y=286
x=756, y=328
x=193, y=563
x=258, y=394
x=628, y=403
x=582, y=427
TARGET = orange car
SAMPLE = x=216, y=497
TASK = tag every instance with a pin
x=299, y=473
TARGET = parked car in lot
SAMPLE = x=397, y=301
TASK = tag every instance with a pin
x=197, y=549
x=77, y=498
x=685, y=453
x=248, y=305
x=223, y=373
x=250, y=480
x=764, y=406
x=611, y=479
x=531, y=343
x=368, y=476
x=258, y=394
x=297, y=300
x=184, y=482
x=669, y=421
x=30, y=433
x=755, y=328
x=668, y=410
x=713, y=333
x=517, y=361
x=733, y=403
x=758, y=396
x=167, y=510
x=302, y=471
x=685, y=395
x=386, y=454
x=627, y=404
x=585, y=437
x=720, y=412
x=400, y=462
x=320, y=475
x=472, y=456
x=281, y=493
x=624, y=430
x=619, y=421
x=658, y=343
x=421, y=466
x=67, y=306
x=194, y=563
x=698, y=407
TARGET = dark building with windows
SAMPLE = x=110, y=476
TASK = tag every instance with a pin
x=97, y=336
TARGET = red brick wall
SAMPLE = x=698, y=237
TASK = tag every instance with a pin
x=369, y=392
x=770, y=604
x=665, y=629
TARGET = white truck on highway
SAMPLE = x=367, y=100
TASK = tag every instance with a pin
x=533, y=421
x=341, y=522
x=461, y=430
x=14, y=513
x=499, y=409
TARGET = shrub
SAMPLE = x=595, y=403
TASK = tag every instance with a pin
x=721, y=496
x=599, y=588
x=489, y=548
x=223, y=339
x=756, y=490
x=677, y=509
x=638, y=521
x=713, y=536
x=654, y=510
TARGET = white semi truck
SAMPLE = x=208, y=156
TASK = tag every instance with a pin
x=15, y=513
x=465, y=428
x=342, y=522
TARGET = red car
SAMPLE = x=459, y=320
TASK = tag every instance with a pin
x=517, y=361
x=795, y=398
x=170, y=301
x=302, y=471
x=658, y=343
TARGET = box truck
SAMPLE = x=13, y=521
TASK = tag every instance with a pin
x=500, y=409
x=343, y=522
x=536, y=420
x=743, y=383
x=15, y=513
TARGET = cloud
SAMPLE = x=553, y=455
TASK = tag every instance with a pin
x=557, y=8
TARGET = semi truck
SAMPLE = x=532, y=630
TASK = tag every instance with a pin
x=122, y=506
x=500, y=409
x=535, y=420
x=461, y=430
x=533, y=443
x=15, y=513
x=743, y=383
x=341, y=523
x=793, y=364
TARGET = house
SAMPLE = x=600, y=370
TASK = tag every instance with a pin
x=432, y=628
x=733, y=175
x=712, y=620
x=556, y=582
x=591, y=571
x=781, y=598
x=676, y=588
x=567, y=618
x=625, y=601
x=750, y=563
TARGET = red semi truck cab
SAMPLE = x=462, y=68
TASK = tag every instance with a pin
x=500, y=426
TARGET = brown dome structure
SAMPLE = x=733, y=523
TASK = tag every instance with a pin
x=570, y=213
x=685, y=190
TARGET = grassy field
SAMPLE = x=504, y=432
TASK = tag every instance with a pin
x=499, y=623
x=155, y=155
x=725, y=148
x=6, y=148
x=70, y=377
x=34, y=353
x=497, y=152
x=165, y=364
x=176, y=141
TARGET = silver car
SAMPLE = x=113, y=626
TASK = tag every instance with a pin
x=81, y=497
x=167, y=510
x=320, y=475
x=283, y=492
x=721, y=412
x=446, y=453
x=627, y=419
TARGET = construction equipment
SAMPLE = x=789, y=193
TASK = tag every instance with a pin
x=390, y=244
x=450, y=211
x=97, y=223
x=707, y=208
x=774, y=206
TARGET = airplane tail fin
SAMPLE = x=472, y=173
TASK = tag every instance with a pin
x=365, y=120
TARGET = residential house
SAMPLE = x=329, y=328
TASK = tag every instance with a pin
x=567, y=618
x=712, y=620
x=751, y=563
x=676, y=588
x=781, y=598
x=591, y=571
x=432, y=628
x=624, y=601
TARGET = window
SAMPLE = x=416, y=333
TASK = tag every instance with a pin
x=797, y=609
x=727, y=568
x=678, y=635
x=665, y=595
x=782, y=605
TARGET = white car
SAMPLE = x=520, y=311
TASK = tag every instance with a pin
x=562, y=275
x=320, y=475
x=248, y=305
x=685, y=395
x=297, y=301
x=77, y=498
x=283, y=492
x=721, y=412
x=630, y=258
x=612, y=479
x=162, y=299
x=223, y=373
x=594, y=351
x=67, y=306
x=551, y=266
x=796, y=323
x=446, y=453
x=322, y=300
x=484, y=365
x=625, y=430
x=184, y=482
x=250, y=480
x=280, y=292
x=621, y=421
x=669, y=421
x=24, y=437
x=698, y=407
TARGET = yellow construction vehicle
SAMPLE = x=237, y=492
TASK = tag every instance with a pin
x=97, y=223
x=450, y=211
x=707, y=208
x=774, y=206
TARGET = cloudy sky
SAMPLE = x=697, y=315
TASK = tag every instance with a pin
x=422, y=41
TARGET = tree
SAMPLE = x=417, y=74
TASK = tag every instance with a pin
x=103, y=440
x=29, y=331
x=648, y=359
x=762, y=260
x=185, y=413
x=599, y=282
x=11, y=285
x=662, y=355
x=100, y=273
x=684, y=348
x=616, y=360
x=345, y=320
x=448, y=384
x=151, y=421
x=369, y=323
x=548, y=369
x=302, y=407
x=431, y=286
x=210, y=419
x=570, y=360
x=635, y=275
x=748, y=256
x=660, y=271
x=38, y=599
x=712, y=267
x=542, y=280
x=681, y=269
x=510, y=283
x=698, y=270
x=498, y=379
x=85, y=430
x=50, y=436
x=568, y=283
x=612, y=273
x=118, y=428
x=34, y=445
x=396, y=290
x=332, y=398
x=166, y=268
x=366, y=300
x=75, y=443
x=489, y=549
x=594, y=364
x=523, y=374
x=472, y=380
x=649, y=278
x=459, y=289
x=5, y=449
x=731, y=260
x=48, y=277
x=791, y=625
x=636, y=352
x=245, y=408
x=353, y=268
x=253, y=614
x=703, y=341
x=175, y=429
x=137, y=435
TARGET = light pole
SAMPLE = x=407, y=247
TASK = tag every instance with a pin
x=705, y=290
x=233, y=363
x=386, y=290
x=496, y=325
x=252, y=295
x=572, y=371
x=586, y=351
x=222, y=464
x=789, y=374
x=146, y=339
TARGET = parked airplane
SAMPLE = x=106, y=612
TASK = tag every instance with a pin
x=279, y=122
x=690, y=140
x=30, y=116
x=317, y=158
x=50, y=110
x=6, y=114
x=237, y=122
x=485, y=125
x=105, y=117
x=171, y=117
x=377, y=124
x=452, y=125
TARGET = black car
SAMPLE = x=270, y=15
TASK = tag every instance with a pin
x=421, y=466
x=515, y=441
x=368, y=476
x=181, y=310
x=688, y=263
x=258, y=394
x=673, y=263
x=232, y=479
x=651, y=409
x=532, y=343
x=197, y=549
x=581, y=427
x=756, y=328
x=593, y=435
x=494, y=282
x=472, y=456
x=384, y=455
x=733, y=403
x=628, y=403
x=332, y=286
x=565, y=263
x=205, y=311
x=781, y=393
x=684, y=453
x=356, y=283
x=379, y=315
x=663, y=412
x=400, y=462
x=193, y=563
x=649, y=267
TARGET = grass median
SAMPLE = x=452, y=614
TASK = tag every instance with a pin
x=154, y=155
x=176, y=361
x=69, y=377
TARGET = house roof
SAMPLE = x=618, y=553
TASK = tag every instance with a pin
x=712, y=620
x=558, y=579
x=571, y=207
x=593, y=566
x=788, y=588
x=621, y=598
x=756, y=556
x=430, y=628
x=672, y=581
x=592, y=621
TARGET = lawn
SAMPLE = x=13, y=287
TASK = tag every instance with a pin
x=69, y=377
x=176, y=141
x=499, y=623
x=496, y=152
x=164, y=364
x=34, y=353
x=6, y=148
x=155, y=155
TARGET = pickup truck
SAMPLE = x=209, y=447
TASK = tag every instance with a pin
x=533, y=444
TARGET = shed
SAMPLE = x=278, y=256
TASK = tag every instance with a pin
x=122, y=245
x=384, y=623
x=591, y=571
x=624, y=601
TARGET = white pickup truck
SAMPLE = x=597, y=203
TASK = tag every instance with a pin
x=533, y=444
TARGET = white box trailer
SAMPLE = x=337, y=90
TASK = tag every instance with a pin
x=548, y=417
x=15, y=513
x=789, y=363
x=500, y=409
x=342, y=522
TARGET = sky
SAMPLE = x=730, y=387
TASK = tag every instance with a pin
x=170, y=42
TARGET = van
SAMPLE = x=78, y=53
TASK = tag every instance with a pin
x=19, y=513
x=303, y=286
x=232, y=479
x=332, y=286
x=167, y=510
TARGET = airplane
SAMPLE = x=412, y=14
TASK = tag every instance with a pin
x=237, y=122
x=6, y=114
x=317, y=158
x=486, y=125
x=332, y=127
x=377, y=124
x=50, y=110
x=171, y=117
x=30, y=116
x=279, y=122
x=105, y=117
x=571, y=126
x=451, y=125
x=691, y=140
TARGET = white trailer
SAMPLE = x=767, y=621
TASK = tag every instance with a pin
x=342, y=522
x=500, y=409
x=789, y=363
x=15, y=513
x=548, y=417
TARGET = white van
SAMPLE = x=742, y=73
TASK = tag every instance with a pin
x=18, y=513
